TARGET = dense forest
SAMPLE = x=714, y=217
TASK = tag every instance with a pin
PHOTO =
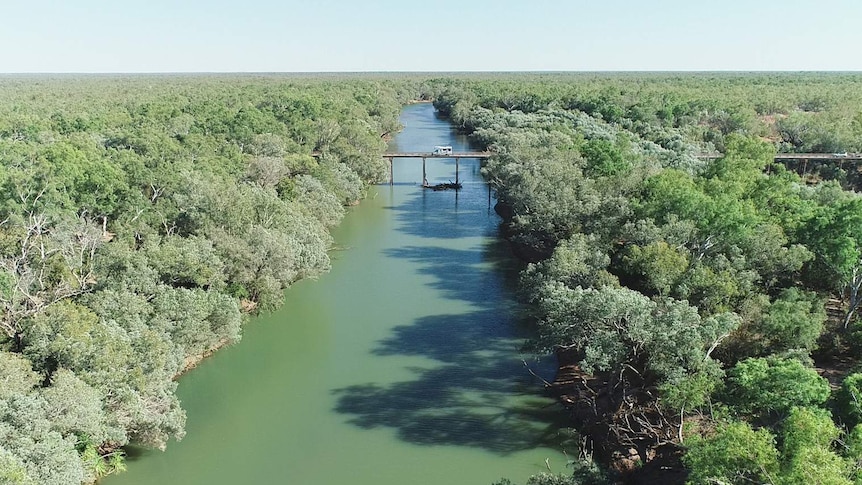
x=143, y=219
x=702, y=311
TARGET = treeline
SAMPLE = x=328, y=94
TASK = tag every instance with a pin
x=141, y=219
x=814, y=112
x=696, y=307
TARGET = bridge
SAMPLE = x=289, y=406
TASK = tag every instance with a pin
x=456, y=155
x=805, y=158
x=798, y=157
x=817, y=157
x=836, y=157
x=779, y=157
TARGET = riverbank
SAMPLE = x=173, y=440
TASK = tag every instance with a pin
x=586, y=402
x=204, y=208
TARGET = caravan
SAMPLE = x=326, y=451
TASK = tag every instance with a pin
x=442, y=151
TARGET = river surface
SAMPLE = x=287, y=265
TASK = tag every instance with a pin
x=400, y=366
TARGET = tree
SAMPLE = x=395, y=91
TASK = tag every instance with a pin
x=809, y=435
x=817, y=465
x=658, y=264
x=549, y=196
x=267, y=171
x=833, y=234
x=580, y=260
x=46, y=264
x=735, y=453
x=13, y=471
x=75, y=408
x=32, y=450
x=604, y=158
x=316, y=200
x=623, y=333
x=850, y=397
x=807, y=427
x=17, y=375
x=635, y=345
x=197, y=320
x=794, y=320
x=187, y=262
x=760, y=386
x=675, y=193
x=744, y=161
x=67, y=335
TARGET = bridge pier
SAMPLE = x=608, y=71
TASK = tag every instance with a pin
x=425, y=156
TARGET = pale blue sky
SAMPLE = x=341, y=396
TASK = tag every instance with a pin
x=441, y=35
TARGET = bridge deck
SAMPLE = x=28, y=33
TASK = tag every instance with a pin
x=436, y=155
x=778, y=156
x=799, y=156
x=819, y=156
x=855, y=157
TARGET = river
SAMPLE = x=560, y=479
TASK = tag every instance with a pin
x=400, y=366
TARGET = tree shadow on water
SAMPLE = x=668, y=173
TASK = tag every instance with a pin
x=474, y=275
x=474, y=390
x=477, y=394
x=485, y=273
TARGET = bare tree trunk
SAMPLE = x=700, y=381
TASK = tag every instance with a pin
x=852, y=289
x=31, y=286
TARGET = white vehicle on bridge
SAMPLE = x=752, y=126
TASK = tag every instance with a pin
x=447, y=150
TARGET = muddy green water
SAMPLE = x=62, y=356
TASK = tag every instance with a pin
x=400, y=366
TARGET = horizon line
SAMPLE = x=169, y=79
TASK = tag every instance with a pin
x=538, y=71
